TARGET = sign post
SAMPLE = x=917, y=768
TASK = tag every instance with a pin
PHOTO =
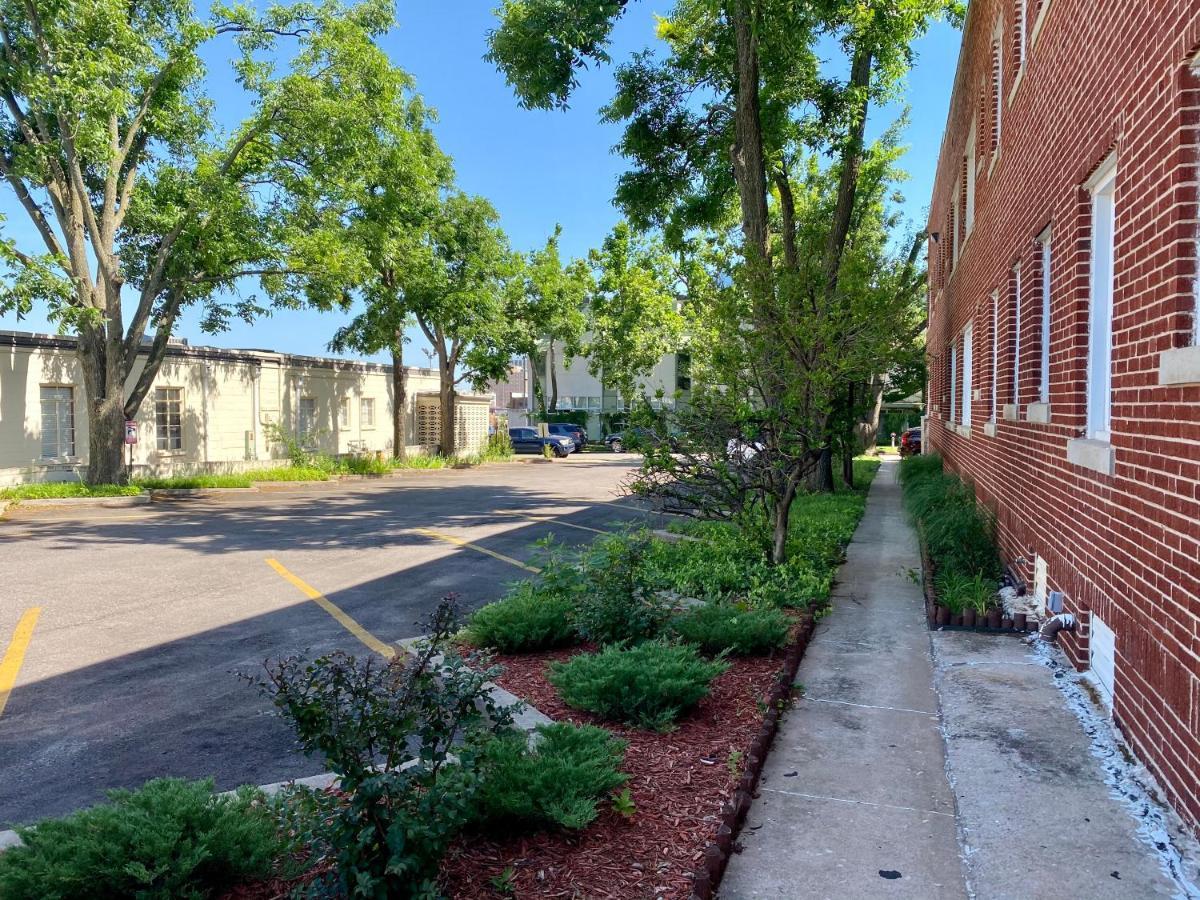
x=131, y=438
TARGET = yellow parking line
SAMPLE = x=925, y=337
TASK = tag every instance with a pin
x=344, y=619
x=556, y=519
x=492, y=553
x=15, y=654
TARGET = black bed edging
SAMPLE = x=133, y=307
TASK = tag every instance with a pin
x=733, y=814
x=1018, y=625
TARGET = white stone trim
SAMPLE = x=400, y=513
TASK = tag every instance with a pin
x=1010, y=412
x=1092, y=454
x=1179, y=366
x=1038, y=412
x=989, y=428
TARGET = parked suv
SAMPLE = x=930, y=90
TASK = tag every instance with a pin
x=570, y=430
x=910, y=442
x=527, y=440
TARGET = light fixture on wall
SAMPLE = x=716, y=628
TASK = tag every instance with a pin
x=935, y=236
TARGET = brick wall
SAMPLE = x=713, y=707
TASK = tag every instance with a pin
x=1098, y=77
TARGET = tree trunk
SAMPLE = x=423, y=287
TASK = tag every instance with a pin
x=535, y=385
x=821, y=479
x=781, y=516
x=447, y=397
x=104, y=386
x=848, y=468
x=553, y=377
x=869, y=426
x=399, y=399
x=749, y=167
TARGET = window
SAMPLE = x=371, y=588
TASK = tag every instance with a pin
x=997, y=92
x=306, y=418
x=366, y=412
x=995, y=352
x=954, y=223
x=969, y=175
x=967, y=380
x=168, y=418
x=1019, y=14
x=1044, y=381
x=1016, y=369
x=344, y=412
x=683, y=371
x=954, y=383
x=58, y=422
x=1099, y=374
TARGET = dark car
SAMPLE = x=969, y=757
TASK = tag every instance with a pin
x=527, y=440
x=910, y=442
x=570, y=430
x=637, y=436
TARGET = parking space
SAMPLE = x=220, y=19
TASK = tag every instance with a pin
x=148, y=614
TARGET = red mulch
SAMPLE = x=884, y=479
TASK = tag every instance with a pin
x=678, y=780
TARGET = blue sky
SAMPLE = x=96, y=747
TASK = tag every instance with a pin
x=537, y=168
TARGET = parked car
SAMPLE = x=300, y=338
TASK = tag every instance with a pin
x=527, y=440
x=570, y=430
x=910, y=442
x=631, y=438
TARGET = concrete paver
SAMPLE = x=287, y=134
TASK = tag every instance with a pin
x=854, y=800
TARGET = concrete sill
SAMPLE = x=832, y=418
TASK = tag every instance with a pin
x=989, y=428
x=1179, y=366
x=1091, y=454
x=1010, y=412
x=963, y=430
x=1038, y=412
x=950, y=426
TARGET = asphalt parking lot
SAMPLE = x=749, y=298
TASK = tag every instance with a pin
x=130, y=624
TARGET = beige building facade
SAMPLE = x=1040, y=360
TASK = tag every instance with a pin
x=213, y=410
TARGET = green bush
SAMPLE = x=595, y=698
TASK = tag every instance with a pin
x=168, y=839
x=558, y=783
x=649, y=685
x=528, y=618
x=958, y=592
x=733, y=628
x=193, y=482
x=499, y=445
x=618, y=600
x=959, y=534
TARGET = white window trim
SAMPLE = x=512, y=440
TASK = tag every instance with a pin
x=344, y=406
x=1102, y=187
x=1047, y=269
x=1017, y=298
x=968, y=379
x=995, y=353
x=366, y=424
x=998, y=100
x=954, y=222
x=954, y=382
x=61, y=458
x=969, y=212
x=1037, y=25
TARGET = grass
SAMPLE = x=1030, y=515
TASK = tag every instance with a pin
x=54, y=490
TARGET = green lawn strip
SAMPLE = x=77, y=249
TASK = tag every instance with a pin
x=55, y=490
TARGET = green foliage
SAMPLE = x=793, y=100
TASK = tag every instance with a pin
x=958, y=533
x=733, y=628
x=624, y=805
x=959, y=592
x=529, y=618
x=388, y=731
x=287, y=473
x=557, y=784
x=168, y=839
x=192, y=482
x=649, y=685
x=51, y=490
x=499, y=445
x=617, y=602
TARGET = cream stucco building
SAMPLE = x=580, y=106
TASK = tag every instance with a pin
x=214, y=410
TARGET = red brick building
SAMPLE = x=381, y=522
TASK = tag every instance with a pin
x=1064, y=357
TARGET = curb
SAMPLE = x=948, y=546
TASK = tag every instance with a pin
x=116, y=502
x=708, y=874
x=182, y=493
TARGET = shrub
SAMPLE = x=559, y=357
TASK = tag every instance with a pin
x=557, y=783
x=617, y=600
x=170, y=838
x=734, y=628
x=649, y=685
x=958, y=592
x=499, y=445
x=527, y=619
x=388, y=830
x=959, y=534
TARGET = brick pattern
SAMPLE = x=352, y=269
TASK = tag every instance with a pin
x=1098, y=76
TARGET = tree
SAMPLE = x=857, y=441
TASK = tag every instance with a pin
x=389, y=214
x=633, y=316
x=144, y=207
x=461, y=292
x=726, y=117
x=554, y=310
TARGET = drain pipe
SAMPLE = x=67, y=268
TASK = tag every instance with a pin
x=1052, y=626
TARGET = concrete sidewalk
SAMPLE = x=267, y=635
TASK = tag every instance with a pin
x=895, y=776
x=854, y=799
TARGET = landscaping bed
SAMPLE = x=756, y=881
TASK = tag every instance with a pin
x=681, y=783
